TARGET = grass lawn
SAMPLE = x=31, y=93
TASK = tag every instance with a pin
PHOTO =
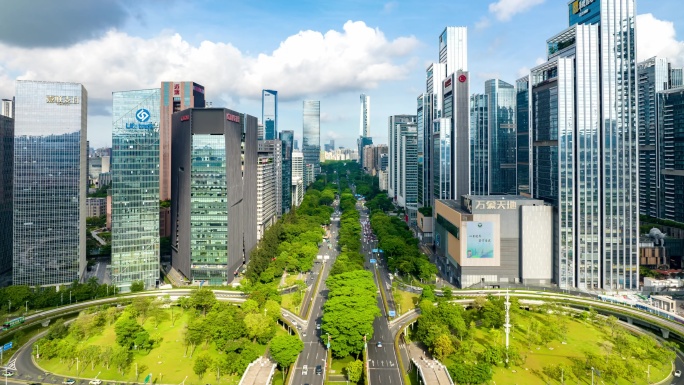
x=287, y=302
x=581, y=337
x=338, y=364
x=168, y=363
x=405, y=301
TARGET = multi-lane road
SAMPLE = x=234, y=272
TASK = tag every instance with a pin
x=382, y=355
x=315, y=351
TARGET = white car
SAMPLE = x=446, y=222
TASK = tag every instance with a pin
x=95, y=382
x=305, y=370
x=318, y=326
x=678, y=373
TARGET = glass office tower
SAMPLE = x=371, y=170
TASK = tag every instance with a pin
x=269, y=114
x=213, y=206
x=135, y=188
x=522, y=123
x=50, y=174
x=479, y=144
x=311, y=139
x=287, y=137
x=671, y=124
x=6, y=183
x=364, y=120
x=502, y=137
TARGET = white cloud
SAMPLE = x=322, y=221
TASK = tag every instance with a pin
x=504, y=10
x=308, y=63
x=658, y=38
x=482, y=23
x=540, y=61
x=523, y=71
x=390, y=6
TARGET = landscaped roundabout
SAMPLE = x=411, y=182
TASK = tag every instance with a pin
x=548, y=344
x=196, y=340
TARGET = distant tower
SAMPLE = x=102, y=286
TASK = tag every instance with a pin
x=364, y=122
x=269, y=114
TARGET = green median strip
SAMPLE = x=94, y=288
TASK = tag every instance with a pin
x=313, y=293
x=382, y=291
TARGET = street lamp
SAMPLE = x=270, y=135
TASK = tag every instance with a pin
x=27, y=307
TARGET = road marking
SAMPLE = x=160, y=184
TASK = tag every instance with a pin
x=12, y=365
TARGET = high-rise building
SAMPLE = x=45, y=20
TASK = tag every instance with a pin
x=7, y=108
x=671, y=120
x=297, y=165
x=269, y=114
x=368, y=162
x=214, y=186
x=6, y=183
x=311, y=139
x=407, y=196
x=50, y=176
x=422, y=125
x=654, y=75
x=455, y=125
x=522, y=124
x=453, y=49
x=397, y=125
x=287, y=137
x=429, y=109
x=175, y=96
x=364, y=121
x=363, y=142
x=479, y=144
x=583, y=123
x=266, y=194
x=273, y=149
x=135, y=188
x=502, y=137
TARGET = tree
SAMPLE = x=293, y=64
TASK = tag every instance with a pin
x=202, y=299
x=137, y=286
x=121, y=359
x=285, y=349
x=259, y=326
x=142, y=368
x=126, y=330
x=354, y=371
x=202, y=364
x=442, y=347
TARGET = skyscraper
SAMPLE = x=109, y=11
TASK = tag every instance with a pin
x=269, y=114
x=7, y=108
x=214, y=186
x=479, y=144
x=654, y=75
x=502, y=137
x=453, y=49
x=583, y=125
x=398, y=126
x=273, y=149
x=311, y=138
x=456, y=120
x=175, y=96
x=522, y=125
x=6, y=183
x=364, y=124
x=287, y=137
x=135, y=188
x=671, y=121
x=266, y=194
x=50, y=174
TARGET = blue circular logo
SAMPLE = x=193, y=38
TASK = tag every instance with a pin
x=142, y=115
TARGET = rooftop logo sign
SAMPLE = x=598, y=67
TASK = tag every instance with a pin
x=62, y=100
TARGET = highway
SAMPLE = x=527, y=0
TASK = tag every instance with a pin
x=382, y=355
x=315, y=351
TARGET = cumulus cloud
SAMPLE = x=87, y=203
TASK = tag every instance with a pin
x=658, y=38
x=49, y=23
x=504, y=10
x=308, y=63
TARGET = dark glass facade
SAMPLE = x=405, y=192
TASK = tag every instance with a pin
x=522, y=124
x=287, y=137
x=6, y=183
x=311, y=139
x=502, y=137
x=671, y=121
x=479, y=144
x=269, y=114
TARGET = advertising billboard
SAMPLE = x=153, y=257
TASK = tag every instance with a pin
x=480, y=240
x=584, y=12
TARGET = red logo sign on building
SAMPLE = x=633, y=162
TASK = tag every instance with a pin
x=462, y=78
x=233, y=118
x=185, y=118
x=176, y=89
x=447, y=83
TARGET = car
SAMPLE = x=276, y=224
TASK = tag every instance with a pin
x=305, y=370
x=95, y=382
x=304, y=334
x=318, y=326
x=678, y=373
x=379, y=344
x=319, y=369
x=69, y=381
x=7, y=373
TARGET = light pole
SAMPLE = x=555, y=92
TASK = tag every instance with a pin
x=592, y=375
x=69, y=297
x=26, y=307
x=648, y=374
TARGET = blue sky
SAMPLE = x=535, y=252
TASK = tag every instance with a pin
x=326, y=50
